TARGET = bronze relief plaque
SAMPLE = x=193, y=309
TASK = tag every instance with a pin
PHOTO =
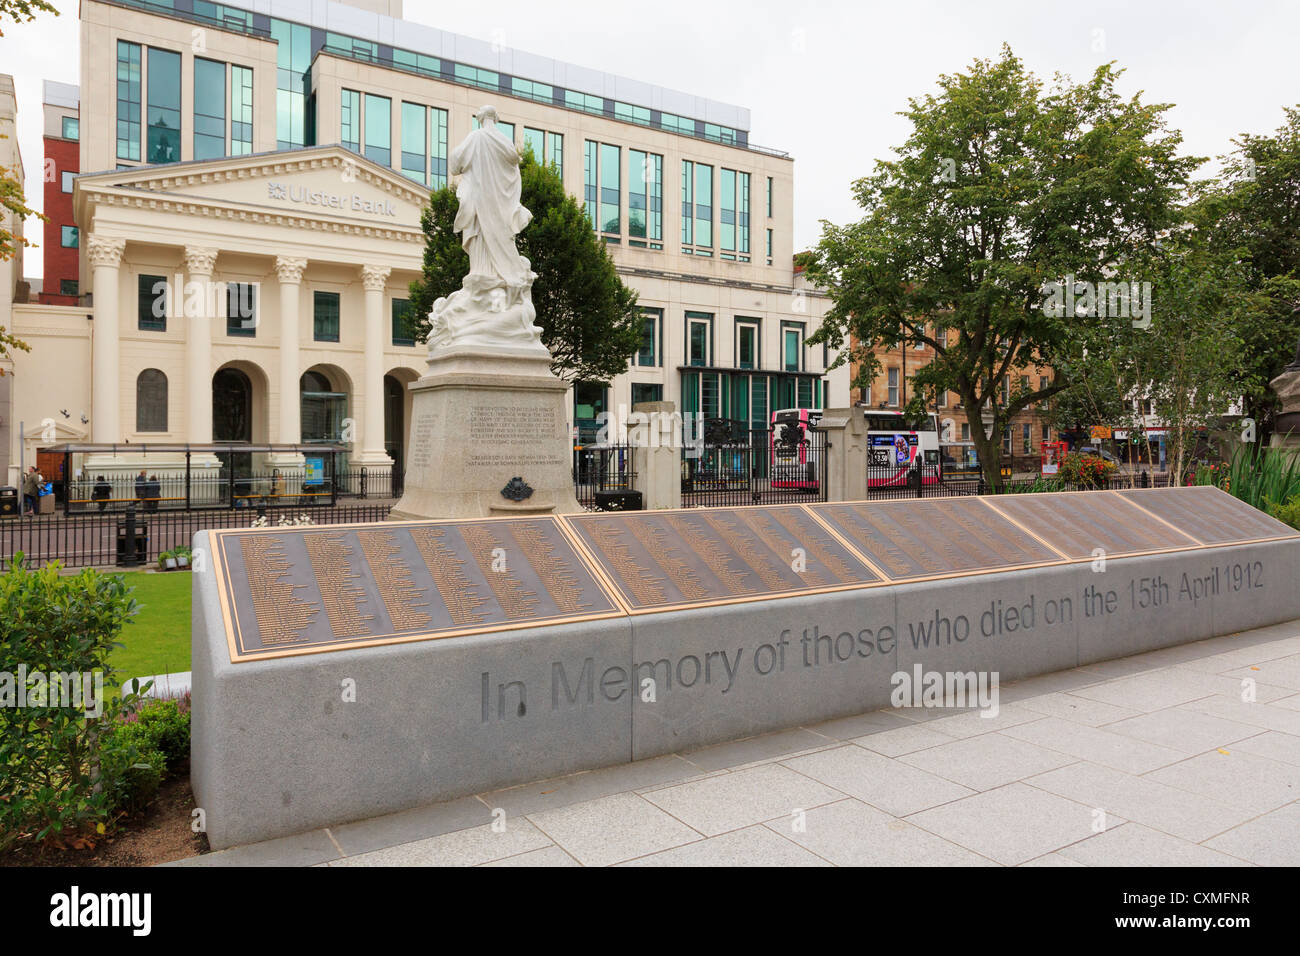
x=302, y=590
x=934, y=537
x=1208, y=514
x=1078, y=522
x=695, y=557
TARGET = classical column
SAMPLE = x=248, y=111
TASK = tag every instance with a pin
x=371, y=440
x=105, y=259
x=289, y=271
x=199, y=262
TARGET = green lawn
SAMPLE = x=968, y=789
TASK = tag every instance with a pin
x=158, y=638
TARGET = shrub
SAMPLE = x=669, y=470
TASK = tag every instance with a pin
x=1086, y=471
x=159, y=725
x=1288, y=512
x=53, y=782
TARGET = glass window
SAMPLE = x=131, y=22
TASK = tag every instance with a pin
x=747, y=345
x=791, y=347
x=646, y=392
x=733, y=214
x=293, y=61
x=437, y=148
x=68, y=237
x=164, y=112
x=769, y=247
x=648, y=354
x=379, y=129
x=68, y=287
x=645, y=189
x=325, y=313
x=688, y=191
x=555, y=152
x=241, y=110
x=128, y=100
x=758, y=401
x=1026, y=440
x=151, y=303
x=414, y=158
x=401, y=335
x=769, y=199
x=209, y=108
x=1006, y=440
x=151, y=401
x=893, y=387
x=699, y=331
x=350, y=120
x=703, y=205
x=71, y=127
x=590, y=189
x=610, y=189
x=67, y=181
x=241, y=309
x=535, y=140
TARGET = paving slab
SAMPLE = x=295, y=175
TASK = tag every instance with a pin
x=612, y=829
x=889, y=785
x=850, y=833
x=1235, y=777
x=1269, y=840
x=461, y=848
x=1132, y=844
x=735, y=800
x=988, y=761
x=1176, y=811
x=1096, y=745
x=752, y=846
x=1011, y=825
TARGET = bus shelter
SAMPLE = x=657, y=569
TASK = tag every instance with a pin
x=149, y=477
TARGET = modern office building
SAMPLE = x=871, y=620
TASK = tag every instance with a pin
x=246, y=205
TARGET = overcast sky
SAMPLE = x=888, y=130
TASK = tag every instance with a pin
x=824, y=80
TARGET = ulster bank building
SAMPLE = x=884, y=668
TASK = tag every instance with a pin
x=234, y=193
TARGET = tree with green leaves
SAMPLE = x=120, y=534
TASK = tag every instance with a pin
x=1251, y=214
x=13, y=203
x=588, y=317
x=1003, y=187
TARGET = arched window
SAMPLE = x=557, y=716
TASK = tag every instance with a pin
x=151, y=401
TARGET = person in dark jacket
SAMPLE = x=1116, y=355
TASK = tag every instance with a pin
x=153, y=491
x=31, y=491
x=103, y=491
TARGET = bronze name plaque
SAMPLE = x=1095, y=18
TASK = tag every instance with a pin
x=934, y=537
x=1210, y=515
x=1077, y=523
x=659, y=560
x=301, y=590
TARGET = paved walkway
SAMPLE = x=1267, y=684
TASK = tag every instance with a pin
x=1150, y=760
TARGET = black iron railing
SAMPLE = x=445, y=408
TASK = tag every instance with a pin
x=730, y=464
x=136, y=538
x=603, y=476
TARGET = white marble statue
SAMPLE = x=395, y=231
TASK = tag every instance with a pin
x=494, y=306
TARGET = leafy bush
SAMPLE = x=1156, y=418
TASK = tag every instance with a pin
x=1287, y=513
x=53, y=782
x=1086, y=471
x=148, y=742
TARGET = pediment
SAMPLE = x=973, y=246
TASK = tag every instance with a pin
x=329, y=182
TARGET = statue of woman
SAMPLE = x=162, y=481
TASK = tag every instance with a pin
x=490, y=214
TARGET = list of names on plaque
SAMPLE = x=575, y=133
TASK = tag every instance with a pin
x=494, y=562
x=462, y=599
x=335, y=575
x=813, y=542
x=402, y=598
x=556, y=574
x=281, y=617
x=655, y=540
x=764, y=565
x=713, y=557
x=646, y=588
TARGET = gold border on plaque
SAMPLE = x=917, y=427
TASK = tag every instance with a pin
x=230, y=619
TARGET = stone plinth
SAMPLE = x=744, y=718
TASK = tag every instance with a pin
x=480, y=419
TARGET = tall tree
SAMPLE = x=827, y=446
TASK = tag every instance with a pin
x=12, y=201
x=1002, y=187
x=1251, y=213
x=588, y=317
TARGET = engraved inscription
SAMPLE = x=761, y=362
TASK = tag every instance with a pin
x=448, y=572
x=334, y=573
x=557, y=574
x=516, y=601
x=646, y=588
x=499, y=430
x=402, y=599
x=422, y=440
x=281, y=617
